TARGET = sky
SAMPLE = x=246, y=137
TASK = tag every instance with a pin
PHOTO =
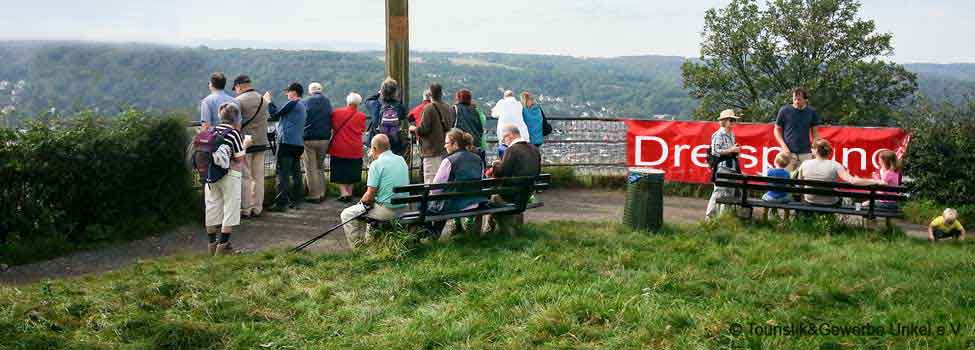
x=937, y=31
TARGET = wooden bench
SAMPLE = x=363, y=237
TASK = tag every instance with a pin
x=422, y=196
x=745, y=184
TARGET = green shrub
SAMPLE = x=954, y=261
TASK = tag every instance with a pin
x=89, y=179
x=942, y=151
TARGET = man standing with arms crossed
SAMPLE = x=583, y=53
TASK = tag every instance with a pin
x=795, y=128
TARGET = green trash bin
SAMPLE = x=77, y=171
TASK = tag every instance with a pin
x=644, y=210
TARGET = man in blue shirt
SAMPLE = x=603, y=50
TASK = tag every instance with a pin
x=795, y=127
x=210, y=105
x=291, y=126
x=386, y=172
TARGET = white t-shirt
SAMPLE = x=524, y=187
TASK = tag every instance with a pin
x=508, y=111
x=822, y=170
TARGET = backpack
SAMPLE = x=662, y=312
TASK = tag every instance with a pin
x=714, y=161
x=546, y=127
x=389, y=123
x=205, y=144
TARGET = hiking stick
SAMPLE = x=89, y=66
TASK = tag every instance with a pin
x=302, y=246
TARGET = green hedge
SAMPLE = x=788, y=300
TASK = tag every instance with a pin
x=942, y=152
x=86, y=180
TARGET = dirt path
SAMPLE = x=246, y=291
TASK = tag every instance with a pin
x=277, y=230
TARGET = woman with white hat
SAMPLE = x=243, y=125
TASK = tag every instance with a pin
x=723, y=147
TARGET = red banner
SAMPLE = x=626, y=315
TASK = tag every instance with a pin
x=680, y=148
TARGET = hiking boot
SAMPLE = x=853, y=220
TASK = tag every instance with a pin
x=278, y=209
x=224, y=249
x=211, y=248
x=314, y=200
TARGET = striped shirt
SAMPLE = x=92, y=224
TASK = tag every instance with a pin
x=722, y=141
x=236, y=146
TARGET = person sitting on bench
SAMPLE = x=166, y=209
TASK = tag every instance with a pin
x=460, y=164
x=781, y=162
x=822, y=168
x=386, y=172
x=520, y=159
x=946, y=226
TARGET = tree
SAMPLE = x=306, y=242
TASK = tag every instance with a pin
x=752, y=57
x=940, y=156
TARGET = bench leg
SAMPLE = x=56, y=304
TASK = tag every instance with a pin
x=450, y=229
x=871, y=223
x=476, y=226
x=506, y=224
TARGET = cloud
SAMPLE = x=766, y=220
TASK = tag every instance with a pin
x=923, y=31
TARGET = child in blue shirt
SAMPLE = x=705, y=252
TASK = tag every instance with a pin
x=781, y=161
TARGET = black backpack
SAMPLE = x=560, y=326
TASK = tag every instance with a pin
x=546, y=127
x=714, y=161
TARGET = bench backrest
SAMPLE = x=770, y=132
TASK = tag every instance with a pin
x=793, y=183
x=518, y=188
x=871, y=193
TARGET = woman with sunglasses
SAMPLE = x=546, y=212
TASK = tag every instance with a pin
x=723, y=147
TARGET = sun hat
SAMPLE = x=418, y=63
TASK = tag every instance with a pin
x=728, y=114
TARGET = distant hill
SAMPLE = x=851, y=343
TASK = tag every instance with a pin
x=74, y=75
x=953, y=83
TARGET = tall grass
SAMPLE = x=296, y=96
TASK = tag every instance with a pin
x=561, y=285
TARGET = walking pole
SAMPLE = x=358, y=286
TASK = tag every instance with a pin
x=302, y=246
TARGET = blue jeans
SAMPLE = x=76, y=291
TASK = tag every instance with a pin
x=289, y=186
x=768, y=198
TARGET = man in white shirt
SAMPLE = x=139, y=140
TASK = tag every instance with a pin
x=508, y=111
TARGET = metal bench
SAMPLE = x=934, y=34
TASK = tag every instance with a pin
x=422, y=196
x=870, y=194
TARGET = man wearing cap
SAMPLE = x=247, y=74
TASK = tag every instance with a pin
x=210, y=105
x=318, y=132
x=795, y=127
x=291, y=123
x=254, y=115
x=724, y=147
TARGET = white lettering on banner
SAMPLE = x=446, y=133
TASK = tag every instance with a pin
x=750, y=160
x=699, y=156
x=677, y=150
x=766, y=152
x=863, y=157
x=639, y=151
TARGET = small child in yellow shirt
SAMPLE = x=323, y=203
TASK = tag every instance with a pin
x=946, y=226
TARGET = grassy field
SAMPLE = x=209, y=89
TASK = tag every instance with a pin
x=561, y=285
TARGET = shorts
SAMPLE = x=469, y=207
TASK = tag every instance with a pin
x=768, y=198
x=222, y=201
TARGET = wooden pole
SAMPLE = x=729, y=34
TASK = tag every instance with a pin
x=398, y=46
x=398, y=59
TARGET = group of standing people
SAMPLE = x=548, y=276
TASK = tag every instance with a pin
x=450, y=138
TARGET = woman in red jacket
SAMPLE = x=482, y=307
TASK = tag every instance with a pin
x=348, y=125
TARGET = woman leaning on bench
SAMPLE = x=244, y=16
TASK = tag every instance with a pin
x=822, y=168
